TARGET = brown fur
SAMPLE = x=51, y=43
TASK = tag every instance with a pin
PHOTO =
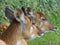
x=40, y=20
x=2, y=42
x=12, y=34
x=27, y=34
x=4, y=26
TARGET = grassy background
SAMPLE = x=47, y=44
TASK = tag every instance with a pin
x=49, y=7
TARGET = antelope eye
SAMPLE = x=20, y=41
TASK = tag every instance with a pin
x=43, y=19
x=18, y=16
x=33, y=23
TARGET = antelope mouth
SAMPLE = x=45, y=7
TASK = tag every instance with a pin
x=54, y=29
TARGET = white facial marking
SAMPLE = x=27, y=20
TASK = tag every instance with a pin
x=18, y=42
x=42, y=17
x=33, y=36
x=41, y=24
x=26, y=10
x=31, y=13
x=23, y=22
x=31, y=30
x=22, y=18
x=23, y=27
x=43, y=29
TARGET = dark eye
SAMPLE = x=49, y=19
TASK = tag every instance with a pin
x=18, y=16
x=43, y=19
x=33, y=23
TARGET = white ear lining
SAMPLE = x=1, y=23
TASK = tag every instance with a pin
x=16, y=16
x=21, y=18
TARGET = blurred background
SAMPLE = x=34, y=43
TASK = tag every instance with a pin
x=50, y=8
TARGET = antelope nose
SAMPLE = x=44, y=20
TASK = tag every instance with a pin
x=55, y=28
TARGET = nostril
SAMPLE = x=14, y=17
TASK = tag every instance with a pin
x=55, y=27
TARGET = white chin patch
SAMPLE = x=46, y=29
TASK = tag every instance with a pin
x=33, y=36
x=43, y=29
x=19, y=42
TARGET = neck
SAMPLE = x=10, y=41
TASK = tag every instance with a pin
x=12, y=34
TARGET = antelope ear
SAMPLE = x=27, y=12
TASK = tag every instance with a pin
x=24, y=10
x=9, y=13
x=19, y=15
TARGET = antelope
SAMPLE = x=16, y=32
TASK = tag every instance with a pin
x=31, y=31
x=13, y=34
x=28, y=27
x=39, y=20
x=21, y=28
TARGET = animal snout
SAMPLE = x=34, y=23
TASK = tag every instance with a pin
x=54, y=28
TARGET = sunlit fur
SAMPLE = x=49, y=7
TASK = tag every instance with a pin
x=2, y=42
x=4, y=26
